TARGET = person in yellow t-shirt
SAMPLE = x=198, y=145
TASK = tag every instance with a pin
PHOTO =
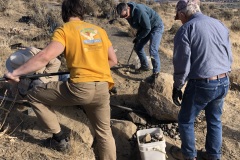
x=89, y=55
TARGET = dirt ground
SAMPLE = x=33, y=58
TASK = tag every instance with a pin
x=21, y=135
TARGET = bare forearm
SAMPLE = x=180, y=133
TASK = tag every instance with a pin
x=112, y=58
x=41, y=59
x=112, y=63
x=53, y=66
x=35, y=63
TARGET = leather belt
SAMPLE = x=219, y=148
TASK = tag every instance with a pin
x=95, y=82
x=214, y=77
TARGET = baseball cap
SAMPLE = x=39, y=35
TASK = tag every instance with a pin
x=180, y=5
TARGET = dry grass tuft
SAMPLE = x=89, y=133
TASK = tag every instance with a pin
x=167, y=52
x=235, y=25
x=132, y=32
x=45, y=16
x=8, y=7
x=4, y=52
x=173, y=30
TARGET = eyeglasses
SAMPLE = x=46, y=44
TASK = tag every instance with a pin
x=125, y=15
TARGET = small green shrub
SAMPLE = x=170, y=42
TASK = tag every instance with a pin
x=151, y=2
x=173, y=30
x=132, y=32
x=47, y=18
x=235, y=25
x=214, y=15
x=204, y=7
x=106, y=7
x=211, y=6
x=227, y=15
x=165, y=7
x=156, y=8
x=141, y=1
x=8, y=7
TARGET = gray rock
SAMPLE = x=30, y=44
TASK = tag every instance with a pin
x=135, y=118
x=147, y=138
x=157, y=100
x=123, y=131
x=169, y=126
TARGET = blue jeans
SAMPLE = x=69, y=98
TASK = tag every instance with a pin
x=205, y=95
x=63, y=77
x=155, y=37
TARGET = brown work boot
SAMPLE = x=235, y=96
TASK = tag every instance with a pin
x=205, y=156
x=152, y=79
x=62, y=146
x=142, y=69
x=177, y=154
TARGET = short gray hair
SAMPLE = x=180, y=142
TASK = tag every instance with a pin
x=192, y=7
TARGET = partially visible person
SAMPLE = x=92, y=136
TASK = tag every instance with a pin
x=89, y=55
x=63, y=77
x=21, y=56
x=149, y=27
x=202, y=57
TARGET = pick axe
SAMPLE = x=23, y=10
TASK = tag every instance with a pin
x=129, y=60
x=37, y=75
x=125, y=65
x=130, y=56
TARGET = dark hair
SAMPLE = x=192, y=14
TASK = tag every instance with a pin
x=72, y=8
x=120, y=7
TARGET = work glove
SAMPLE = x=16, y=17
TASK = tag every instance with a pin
x=176, y=96
x=135, y=41
x=113, y=90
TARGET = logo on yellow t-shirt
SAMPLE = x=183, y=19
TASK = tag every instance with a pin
x=89, y=34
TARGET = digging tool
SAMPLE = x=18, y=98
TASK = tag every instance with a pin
x=127, y=109
x=19, y=46
x=125, y=65
x=130, y=57
x=112, y=105
x=12, y=100
x=38, y=75
x=128, y=67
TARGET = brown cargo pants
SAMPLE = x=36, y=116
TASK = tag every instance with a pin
x=93, y=96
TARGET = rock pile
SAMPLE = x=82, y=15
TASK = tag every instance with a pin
x=154, y=137
x=169, y=129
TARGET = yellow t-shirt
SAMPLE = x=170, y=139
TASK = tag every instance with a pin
x=86, y=51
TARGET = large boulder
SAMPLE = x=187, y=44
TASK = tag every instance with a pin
x=76, y=121
x=122, y=133
x=157, y=100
